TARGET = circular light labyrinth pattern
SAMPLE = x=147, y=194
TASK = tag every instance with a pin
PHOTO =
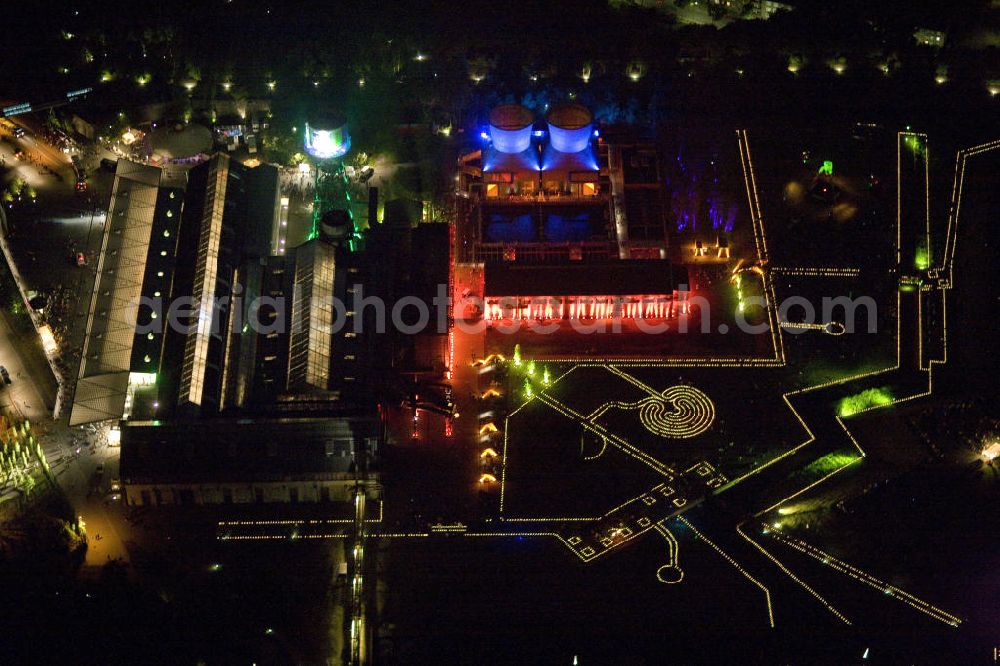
x=681, y=412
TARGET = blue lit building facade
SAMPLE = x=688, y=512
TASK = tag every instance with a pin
x=554, y=158
x=538, y=182
x=545, y=200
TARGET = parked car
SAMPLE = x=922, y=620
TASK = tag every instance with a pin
x=5, y=375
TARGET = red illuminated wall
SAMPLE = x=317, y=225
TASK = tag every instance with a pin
x=645, y=306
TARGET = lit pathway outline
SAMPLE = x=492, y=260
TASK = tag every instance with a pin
x=939, y=276
x=868, y=579
x=743, y=572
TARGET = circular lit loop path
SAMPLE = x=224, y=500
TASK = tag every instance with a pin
x=679, y=412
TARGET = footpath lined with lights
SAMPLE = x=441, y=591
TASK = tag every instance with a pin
x=816, y=271
x=860, y=376
x=640, y=514
x=865, y=578
x=941, y=275
x=589, y=537
x=703, y=407
x=681, y=412
x=671, y=572
x=760, y=240
x=816, y=595
x=743, y=572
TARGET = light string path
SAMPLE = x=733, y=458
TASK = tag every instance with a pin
x=681, y=412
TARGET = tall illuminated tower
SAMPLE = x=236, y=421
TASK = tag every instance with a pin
x=327, y=141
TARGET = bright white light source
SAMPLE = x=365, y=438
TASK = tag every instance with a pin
x=323, y=142
x=326, y=144
x=48, y=340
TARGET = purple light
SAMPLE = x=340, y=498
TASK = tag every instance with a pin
x=715, y=216
x=731, y=218
x=683, y=221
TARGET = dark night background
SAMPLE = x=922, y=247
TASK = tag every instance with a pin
x=532, y=52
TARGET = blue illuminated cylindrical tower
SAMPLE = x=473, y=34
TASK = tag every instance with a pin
x=510, y=128
x=570, y=127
